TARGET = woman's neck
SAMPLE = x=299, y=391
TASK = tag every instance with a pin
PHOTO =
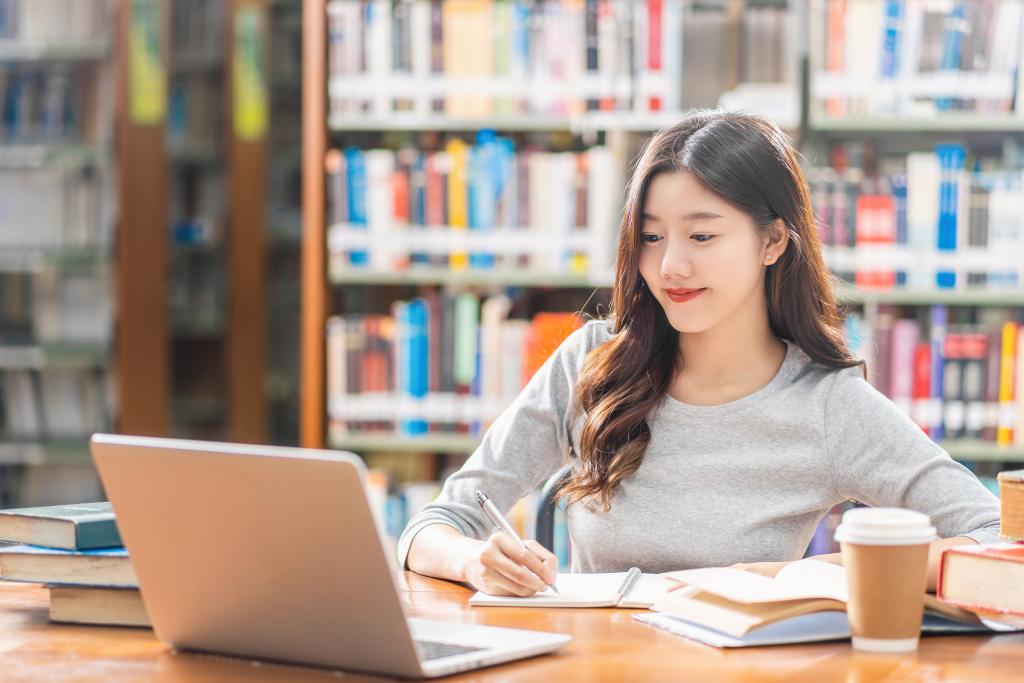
x=726, y=363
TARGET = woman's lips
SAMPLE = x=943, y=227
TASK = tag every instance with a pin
x=682, y=295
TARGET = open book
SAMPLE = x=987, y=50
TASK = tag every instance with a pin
x=805, y=602
x=619, y=589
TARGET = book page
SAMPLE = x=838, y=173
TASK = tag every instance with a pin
x=574, y=590
x=648, y=589
x=803, y=579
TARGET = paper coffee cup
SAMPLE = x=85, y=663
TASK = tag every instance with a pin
x=885, y=552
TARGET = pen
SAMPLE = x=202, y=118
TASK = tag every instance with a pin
x=499, y=521
x=628, y=582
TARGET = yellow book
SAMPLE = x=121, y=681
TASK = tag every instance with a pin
x=468, y=54
x=458, y=198
x=1004, y=430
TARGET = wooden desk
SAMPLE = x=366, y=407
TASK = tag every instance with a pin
x=607, y=646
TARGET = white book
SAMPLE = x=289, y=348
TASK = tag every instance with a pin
x=379, y=57
x=420, y=43
x=923, y=176
x=380, y=165
x=604, y=209
x=588, y=590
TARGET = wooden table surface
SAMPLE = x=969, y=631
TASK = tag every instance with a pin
x=607, y=646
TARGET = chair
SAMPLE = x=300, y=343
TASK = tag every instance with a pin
x=544, y=527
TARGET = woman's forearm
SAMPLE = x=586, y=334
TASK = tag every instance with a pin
x=440, y=551
x=934, y=557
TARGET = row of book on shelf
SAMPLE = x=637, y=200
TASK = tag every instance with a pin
x=484, y=205
x=53, y=403
x=77, y=552
x=921, y=221
x=559, y=57
x=34, y=21
x=441, y=363
x=451, y=363
x=916, y=57
x=954, y=380
x=76, y=212
x=50, y=103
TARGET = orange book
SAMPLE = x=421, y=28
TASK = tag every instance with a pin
x=986, y=579
x=547, y=331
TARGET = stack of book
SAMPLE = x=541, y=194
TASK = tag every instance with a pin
x=76, y=551
x=988, y=579
x=486, y=205
x=946, y=218
x=957, y=380
x=442, y=363
x=889, y=57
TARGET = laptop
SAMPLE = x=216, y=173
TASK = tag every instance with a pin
x=274, y=553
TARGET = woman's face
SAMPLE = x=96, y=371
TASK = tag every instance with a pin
x=701, y=257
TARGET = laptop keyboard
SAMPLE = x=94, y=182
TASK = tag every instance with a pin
x=434, y=650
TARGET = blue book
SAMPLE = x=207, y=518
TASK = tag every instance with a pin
x=482, y=188
x=417, y=358
x=355, y=163
x=891, y=38
x=82, y=526
x=951, y=164
x=937, y=336
x=34, y=564
x=899, y=198
x=952, y=43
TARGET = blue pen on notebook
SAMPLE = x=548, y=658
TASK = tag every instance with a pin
x=499, y=521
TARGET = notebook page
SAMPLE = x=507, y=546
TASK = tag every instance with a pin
x=574, y=590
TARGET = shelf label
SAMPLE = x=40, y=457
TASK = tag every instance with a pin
x=147, y=82
x=248, y=68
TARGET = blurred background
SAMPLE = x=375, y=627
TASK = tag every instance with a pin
x=363, y=224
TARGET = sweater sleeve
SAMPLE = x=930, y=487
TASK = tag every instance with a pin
x=881, y=458
x=525, y=445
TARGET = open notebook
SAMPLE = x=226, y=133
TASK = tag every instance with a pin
x=589, y=590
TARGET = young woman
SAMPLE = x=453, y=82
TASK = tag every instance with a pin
x=717, y=414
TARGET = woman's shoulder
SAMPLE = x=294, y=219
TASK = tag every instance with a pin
x=817, y=377
x=578, y=345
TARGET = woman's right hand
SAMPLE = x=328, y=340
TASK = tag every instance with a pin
x=502, y=567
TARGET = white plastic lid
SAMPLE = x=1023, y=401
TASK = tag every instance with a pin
x=885, y=526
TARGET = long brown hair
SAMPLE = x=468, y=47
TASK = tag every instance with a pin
x=750, y=163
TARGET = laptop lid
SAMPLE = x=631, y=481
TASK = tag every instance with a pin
x=258, y=551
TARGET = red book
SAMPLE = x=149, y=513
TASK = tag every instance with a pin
x=876, y=226
x=654, y=47
x=920, y=408
x=986, y=579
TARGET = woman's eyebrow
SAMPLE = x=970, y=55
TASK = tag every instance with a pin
x=696, y=215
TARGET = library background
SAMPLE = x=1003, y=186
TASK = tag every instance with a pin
x=363, y=225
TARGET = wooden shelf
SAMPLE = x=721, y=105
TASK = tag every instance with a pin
x=32, y=260
x=48, y=51
x=946, y=123
x=443, y=276
x=434, y=443
x=45, y=452
x=962, y=450
x=37, y=155
x=54, y=356
x=611, y=121
x=851, y=295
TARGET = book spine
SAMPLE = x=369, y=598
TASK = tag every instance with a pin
x=1007, y=365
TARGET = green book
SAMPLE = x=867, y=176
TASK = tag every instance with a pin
x=81, y=526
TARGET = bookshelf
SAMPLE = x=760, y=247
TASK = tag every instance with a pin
x=335, y=116
x=284, y=221
x=57, y=245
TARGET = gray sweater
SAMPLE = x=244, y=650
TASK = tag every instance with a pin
x=745, y=481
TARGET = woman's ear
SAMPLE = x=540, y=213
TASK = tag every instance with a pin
x=776, y=240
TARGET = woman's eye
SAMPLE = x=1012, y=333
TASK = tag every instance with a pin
x=702, y=238
x=650, y=237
